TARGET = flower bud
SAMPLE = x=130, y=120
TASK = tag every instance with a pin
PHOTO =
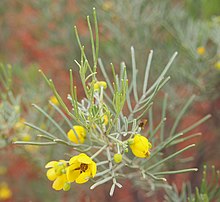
x=77, y=135
x=100, y=84
x=117, y=158
x=103, y=84
x=140, y=146
x=54, y=100
x=66, y=186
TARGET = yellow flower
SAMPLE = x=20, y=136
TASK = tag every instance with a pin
x=57, y=173
x=100, y=84
x=201, y=50
x=78, y=138
x=26, y=138
x=54, y=100
x=140, y=146
x=81, y=169
x=5, y=192
x=217, y=65
x=117, y=158
x=20, y=124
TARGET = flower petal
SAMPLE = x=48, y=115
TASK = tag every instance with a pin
x=80, y=130
x=51, y=174
x=71, y=135
x=83, y=158
x=144, y=143
x=73, y=160
x=51, y=164
x=74, y=166
x=138, y=153
x=59, y=182
x=77, y=134
x=83, y=177
x=72, y=174
x=93, y=169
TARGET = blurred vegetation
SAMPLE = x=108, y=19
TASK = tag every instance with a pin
x=208, y=191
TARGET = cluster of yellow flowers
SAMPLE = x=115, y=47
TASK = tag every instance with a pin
x=139, y=145
x=81, y=168
x=78, y=169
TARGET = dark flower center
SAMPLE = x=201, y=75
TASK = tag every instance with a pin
x=83, y=167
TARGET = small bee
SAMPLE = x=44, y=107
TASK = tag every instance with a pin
x=143, y=123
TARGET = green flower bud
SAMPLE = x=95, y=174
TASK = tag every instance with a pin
x=117, y=158
x=66, y=186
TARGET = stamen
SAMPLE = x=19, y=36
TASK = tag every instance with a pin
x=83, y=167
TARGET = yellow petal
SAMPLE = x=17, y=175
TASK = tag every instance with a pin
x=80, y=130
x=72, y=174
x=103, y=84
x=140, y=143
x=83, y=158
x=74, y=166
x=138, y=153
x=73, y=160
x=51, y=164
x=83, y=177
x=140, y=139
x=51, y=174
x=78, y=138
x=71, y=135
x=143, y=146
x=93, y=168
x=54, y=100
x=59, y=182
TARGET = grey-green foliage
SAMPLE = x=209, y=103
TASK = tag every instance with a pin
x=15, y=101
x=9, y=104
x=165, y=26
x=124, y=106
x=207, y=191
